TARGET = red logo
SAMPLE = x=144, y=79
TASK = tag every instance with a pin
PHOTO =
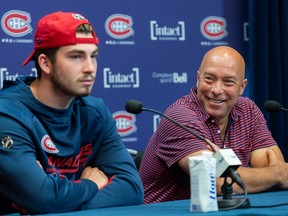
x=125, y=123
x=119, y=26
x=48, y=145
x=213, y=28
x=16, y=23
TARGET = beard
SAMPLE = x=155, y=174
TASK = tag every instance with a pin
x=67, y=87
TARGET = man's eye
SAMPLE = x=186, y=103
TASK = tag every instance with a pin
x=94, y=55
x=208, y=79
x=75, y=56
x=230, y=82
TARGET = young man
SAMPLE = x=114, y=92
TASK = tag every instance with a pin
x=215, y=110
x=60, y=148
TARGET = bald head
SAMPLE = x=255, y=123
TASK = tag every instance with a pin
x=224, y=56
x=220, y=81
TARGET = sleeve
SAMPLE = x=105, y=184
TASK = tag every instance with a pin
x=261, y=136
x=23, y=182
x=176, y=141
x=125, y=187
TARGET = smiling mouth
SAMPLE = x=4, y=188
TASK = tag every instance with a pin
x=216, y=101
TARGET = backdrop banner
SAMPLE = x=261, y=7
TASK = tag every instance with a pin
x=149, y=50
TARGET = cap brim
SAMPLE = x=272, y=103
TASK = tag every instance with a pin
x=29, y=58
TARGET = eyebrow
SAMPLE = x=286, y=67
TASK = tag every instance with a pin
x=83, y=51
x=234, y=78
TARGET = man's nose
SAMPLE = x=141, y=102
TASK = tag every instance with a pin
x=217, y=88
x=89, y=65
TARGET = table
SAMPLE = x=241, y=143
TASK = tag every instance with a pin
x=181, y=207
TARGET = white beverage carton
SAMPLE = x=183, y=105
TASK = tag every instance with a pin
x=203, y=189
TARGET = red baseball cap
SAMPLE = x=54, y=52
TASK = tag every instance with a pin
x=59, y=29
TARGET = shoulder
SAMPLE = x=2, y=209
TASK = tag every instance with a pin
x=187, y=106
x=92, y=101
x=248, y=108
x=245, y=103
x=93, y=105
x=14, y=113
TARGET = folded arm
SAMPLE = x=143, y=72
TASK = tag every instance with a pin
x=125, y=186
x=267, y=170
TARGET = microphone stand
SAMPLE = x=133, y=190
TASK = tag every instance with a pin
x=227, y=203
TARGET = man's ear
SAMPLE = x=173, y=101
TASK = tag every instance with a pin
x=198, y=78
x=243, y=85
x=44, y=63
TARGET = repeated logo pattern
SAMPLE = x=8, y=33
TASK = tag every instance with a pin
x=138, y=42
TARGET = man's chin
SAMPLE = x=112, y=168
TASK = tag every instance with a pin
x=83, y=94
x=214, y=113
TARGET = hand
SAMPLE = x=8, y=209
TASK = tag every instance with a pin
x=273, y=161
x=281, y=167
x=95, y=175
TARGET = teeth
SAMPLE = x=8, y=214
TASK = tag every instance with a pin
x=216, y=101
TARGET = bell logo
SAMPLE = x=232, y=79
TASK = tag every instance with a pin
x=177, y=78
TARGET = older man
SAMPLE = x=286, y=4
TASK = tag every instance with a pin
x=216, y=110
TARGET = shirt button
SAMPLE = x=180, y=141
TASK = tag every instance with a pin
x=212, y=120
x=219, y=131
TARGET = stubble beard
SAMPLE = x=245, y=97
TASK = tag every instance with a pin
x=66, y=88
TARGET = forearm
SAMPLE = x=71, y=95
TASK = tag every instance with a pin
x=260, y=179
x=41, y=192
x=121, y=191
x=255, y=179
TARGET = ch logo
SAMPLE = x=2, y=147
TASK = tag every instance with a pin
x=16, y=23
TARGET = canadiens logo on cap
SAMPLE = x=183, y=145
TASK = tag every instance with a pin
x=78, y=16
x=48, y=145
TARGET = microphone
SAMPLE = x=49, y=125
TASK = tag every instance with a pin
x=136, y=107
x=274, y=106
x=227, y=161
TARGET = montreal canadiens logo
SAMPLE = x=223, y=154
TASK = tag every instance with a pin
x=78, y=16
x=125, y=123
x=48, y=145
x=213, y=28
x=16, y=23
x=119, y=26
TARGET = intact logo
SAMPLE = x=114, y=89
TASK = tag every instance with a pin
x=125, y=123
x=213, y=28
x=16, y=23
x=119, y=26
x=121, y=80
x=172, y=33
x=48, y=145
x=5, y=74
